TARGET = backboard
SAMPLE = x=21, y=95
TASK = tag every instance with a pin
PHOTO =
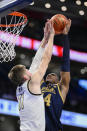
x=8, y=6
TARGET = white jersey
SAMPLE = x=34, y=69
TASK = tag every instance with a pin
x=31, y=110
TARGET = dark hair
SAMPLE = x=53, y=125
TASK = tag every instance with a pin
x=16, y=74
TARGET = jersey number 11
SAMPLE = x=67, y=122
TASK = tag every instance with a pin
x=21, y=101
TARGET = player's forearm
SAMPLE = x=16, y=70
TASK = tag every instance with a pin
x=38, y=56
x=65, y=67
x=43, y=42
x=49, y=48
x=46, y=58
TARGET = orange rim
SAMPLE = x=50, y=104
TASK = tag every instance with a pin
x=18, y=24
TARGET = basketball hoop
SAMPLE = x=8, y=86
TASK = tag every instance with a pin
x=10, y=28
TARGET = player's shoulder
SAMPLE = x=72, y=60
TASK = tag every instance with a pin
x=22, y=87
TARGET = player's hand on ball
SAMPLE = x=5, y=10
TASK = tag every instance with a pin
x=48, y=29
x=67, y=27
x=46, y=32
x=51, y=28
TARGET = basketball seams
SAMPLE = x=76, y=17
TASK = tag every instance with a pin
x=59, y=22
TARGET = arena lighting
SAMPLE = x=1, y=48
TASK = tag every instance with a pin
x=64, y=8
x=33, y=44
x=74, y=119
x=4, y=3
x=62, y=0
x=83, y=83
x=85, y=4
x=9, y=107
x=48, y=5
x=85, y=69
x=82, y=71
x=78, y=2
x=32, y=3
x=81, y=12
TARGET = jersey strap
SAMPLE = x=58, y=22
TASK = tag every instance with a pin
x=60, y=93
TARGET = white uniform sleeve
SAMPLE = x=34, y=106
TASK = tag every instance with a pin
x=37, y=59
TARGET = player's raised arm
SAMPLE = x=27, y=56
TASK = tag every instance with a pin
x=38, y=56
x=34, y=85
x=65, y=68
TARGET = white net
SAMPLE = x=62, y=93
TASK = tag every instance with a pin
x=10, y=28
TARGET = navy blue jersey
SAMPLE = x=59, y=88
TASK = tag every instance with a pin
x=53, y=106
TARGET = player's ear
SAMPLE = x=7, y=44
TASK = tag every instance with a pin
x=25, y=77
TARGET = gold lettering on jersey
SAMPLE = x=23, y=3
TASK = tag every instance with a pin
x=48, y=89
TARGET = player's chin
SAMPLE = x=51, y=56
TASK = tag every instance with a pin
x=49, y=80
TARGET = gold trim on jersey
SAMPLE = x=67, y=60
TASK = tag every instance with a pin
x=60, y=93
x=41, y=81
x=46, y=89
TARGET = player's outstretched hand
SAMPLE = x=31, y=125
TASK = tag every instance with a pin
x=51, y=28
x=67, y=27
x=48, y=29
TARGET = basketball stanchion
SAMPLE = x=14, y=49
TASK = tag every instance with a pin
x=11, y=25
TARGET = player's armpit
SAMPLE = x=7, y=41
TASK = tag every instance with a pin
x=34, y=88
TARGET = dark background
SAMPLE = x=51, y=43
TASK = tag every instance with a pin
x=37, y=15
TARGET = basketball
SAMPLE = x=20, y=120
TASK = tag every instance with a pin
x=59, y=22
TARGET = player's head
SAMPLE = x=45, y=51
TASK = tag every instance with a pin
x=52, y=78
x=19, y=74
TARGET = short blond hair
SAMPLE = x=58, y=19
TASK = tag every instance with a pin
x=16, y=74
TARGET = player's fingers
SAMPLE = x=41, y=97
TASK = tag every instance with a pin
x=48, y=23
x=70, y=22
x=50, y=26
x=67, y=22
x=44, y=30
x=48, y=20
x=51, y=23
x=46, y=26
